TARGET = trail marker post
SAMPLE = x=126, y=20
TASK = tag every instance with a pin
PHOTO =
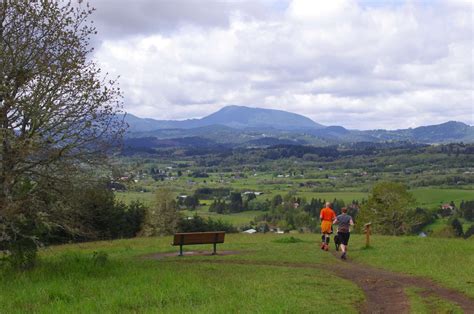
x=367, y=234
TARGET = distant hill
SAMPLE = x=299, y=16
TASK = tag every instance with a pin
x=451, y=131
x=238, y=117
x=240, y=126
x=244, y=117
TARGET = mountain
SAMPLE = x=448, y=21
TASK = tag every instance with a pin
x=238, y=117
x=238, y=126
x=241, y=117
x=447, y=132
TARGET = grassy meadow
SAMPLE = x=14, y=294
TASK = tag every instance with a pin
x=115, y=276
x=449, y=262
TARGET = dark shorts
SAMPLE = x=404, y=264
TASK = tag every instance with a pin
x=344, y=237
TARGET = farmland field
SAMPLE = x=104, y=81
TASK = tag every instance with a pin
x=434, y=197
x=426, y=197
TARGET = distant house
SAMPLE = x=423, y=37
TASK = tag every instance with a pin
x=251, y=192
x=250, y=231
x=276, y=229
x=447, y=207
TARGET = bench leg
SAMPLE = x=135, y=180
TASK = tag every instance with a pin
x=214, y=253
x=180, y=250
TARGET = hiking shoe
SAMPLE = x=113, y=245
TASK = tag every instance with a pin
x=322, y=246
x=343, y=256
x=326, y=247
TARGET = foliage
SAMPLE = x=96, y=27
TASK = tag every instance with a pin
x=235, y=202
x=219, y=206
x=199, y=224
x=388, y=209
x=457, y=227
x=467, y=210
x=199, y=174
x=57, y=117
x=420, y=218
x=210, y=193
x=98, y=216
x=190, y=202
x=469, y=232
x=258, y=204
x=163, y=217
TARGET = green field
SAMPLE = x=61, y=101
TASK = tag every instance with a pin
x=434, y=197
x=68, y=279
x=426, y=197
x=237, y=219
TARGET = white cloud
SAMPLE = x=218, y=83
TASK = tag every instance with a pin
x=338, y=62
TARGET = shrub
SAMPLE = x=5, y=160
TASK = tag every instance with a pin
x=199, y=224
x=457, y=227
x=469, y=232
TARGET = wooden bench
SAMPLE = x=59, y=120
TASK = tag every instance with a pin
x=191, y=238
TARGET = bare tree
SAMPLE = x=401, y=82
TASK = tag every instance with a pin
x=57, y=110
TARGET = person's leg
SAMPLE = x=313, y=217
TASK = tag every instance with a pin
x=343, y=244
x=346, y=244
x=343, y=248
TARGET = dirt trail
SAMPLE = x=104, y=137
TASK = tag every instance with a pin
x=384, y=290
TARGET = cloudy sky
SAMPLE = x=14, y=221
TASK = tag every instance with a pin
x=359, y=64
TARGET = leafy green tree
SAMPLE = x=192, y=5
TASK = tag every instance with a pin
x=57, y=115
x=277, y=200
x=218, y=206
x=457, y=227
x=235, y=204
x=467, y=210
x=162, y=218
x=191, y=202
x=337, y=205
x=258, y=204
x=388, y=208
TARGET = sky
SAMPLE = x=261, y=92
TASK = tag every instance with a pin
x=358, y=64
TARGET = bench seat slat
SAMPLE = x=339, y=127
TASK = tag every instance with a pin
x=198, y=238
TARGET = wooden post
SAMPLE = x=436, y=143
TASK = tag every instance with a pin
x=367, y=234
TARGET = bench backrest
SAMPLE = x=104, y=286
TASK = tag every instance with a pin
x=199, y=238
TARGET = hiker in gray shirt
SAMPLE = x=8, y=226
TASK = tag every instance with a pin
x=344, y=222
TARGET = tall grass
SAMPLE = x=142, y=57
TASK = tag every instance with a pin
x=114, y=276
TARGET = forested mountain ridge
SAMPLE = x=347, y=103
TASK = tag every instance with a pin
x=244, y=126
x=238, y=117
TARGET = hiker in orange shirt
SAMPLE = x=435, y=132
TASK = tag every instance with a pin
x=327, y=216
